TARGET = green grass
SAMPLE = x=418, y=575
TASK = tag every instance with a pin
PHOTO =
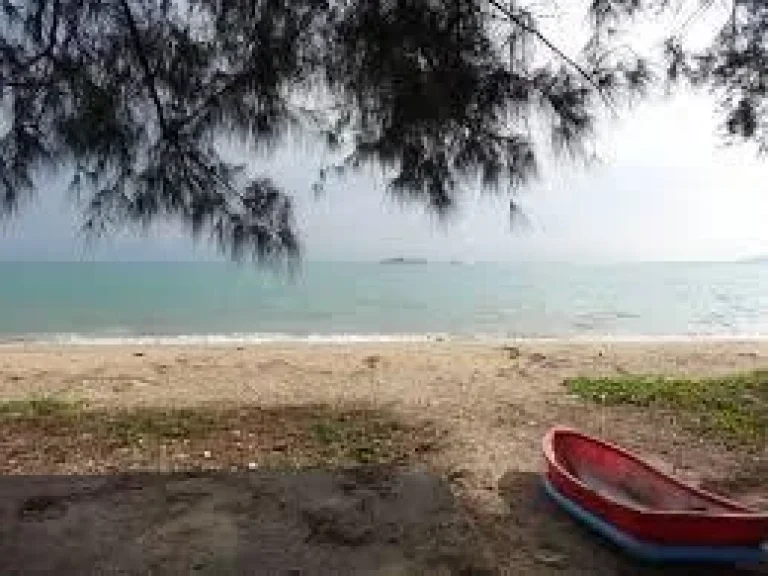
x=128, y=426
x=734, y=406
x=303, y=435
x=38, y=407
x=131, y=426
x=364, y=442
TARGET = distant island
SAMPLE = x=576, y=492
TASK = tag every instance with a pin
x=757, y=259
x=403, y=261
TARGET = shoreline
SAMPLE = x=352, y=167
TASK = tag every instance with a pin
x=343, y=339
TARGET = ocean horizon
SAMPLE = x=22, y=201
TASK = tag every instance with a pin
x=217, y=302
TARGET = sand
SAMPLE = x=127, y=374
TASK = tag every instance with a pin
x=494, y=402
x=491, y=403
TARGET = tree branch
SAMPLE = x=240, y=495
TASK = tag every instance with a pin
x=148, y=74
x=51, y=40
x=703, y=6
x=523, y=25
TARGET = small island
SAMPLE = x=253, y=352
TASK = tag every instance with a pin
x=401, y=260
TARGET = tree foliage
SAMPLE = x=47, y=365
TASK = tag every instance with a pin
x=135, y=97
x=735, y=67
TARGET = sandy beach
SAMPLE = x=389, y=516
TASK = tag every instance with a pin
x=494, y=406
x=485, y=407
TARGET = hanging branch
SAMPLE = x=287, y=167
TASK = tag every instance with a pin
x=149, y=76
x=51, y=39
x=523, y=25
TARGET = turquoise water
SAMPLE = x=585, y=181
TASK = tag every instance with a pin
x=88, y=300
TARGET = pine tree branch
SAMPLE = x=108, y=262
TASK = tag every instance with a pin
x=149, y=76
x=51, y=38
x=523, y=25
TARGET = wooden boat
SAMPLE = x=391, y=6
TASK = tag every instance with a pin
x=640, y=507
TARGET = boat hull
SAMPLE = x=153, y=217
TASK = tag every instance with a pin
x=653, y=552
x=641, y=501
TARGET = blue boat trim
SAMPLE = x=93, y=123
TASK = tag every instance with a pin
x=652, y=552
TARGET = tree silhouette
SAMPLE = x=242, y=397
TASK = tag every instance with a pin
x=135, y=97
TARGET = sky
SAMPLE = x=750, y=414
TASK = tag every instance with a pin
x=665, y=188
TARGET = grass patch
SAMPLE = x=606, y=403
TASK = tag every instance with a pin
x=132, y=426
x=127, y=426
x=363, y=441
x=734, y=406
x=46, y=435
x=38, y=408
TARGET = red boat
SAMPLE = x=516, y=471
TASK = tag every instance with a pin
x=641, y=501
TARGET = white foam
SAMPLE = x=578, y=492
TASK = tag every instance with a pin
x=74, y=339
x=665, y=338
x=120, y=338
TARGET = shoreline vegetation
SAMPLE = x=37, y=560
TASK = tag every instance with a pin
x=469, y=415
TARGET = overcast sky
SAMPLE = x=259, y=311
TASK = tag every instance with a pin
x=665, y=189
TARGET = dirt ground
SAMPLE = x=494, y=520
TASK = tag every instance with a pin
x=309, y=522
x=357, y=521
x=447, y=483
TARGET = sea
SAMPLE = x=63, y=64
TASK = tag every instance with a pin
x=113, y=303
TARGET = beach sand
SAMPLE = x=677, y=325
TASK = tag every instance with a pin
x=486, y=406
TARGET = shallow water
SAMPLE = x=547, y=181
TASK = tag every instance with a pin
x=112, y=302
